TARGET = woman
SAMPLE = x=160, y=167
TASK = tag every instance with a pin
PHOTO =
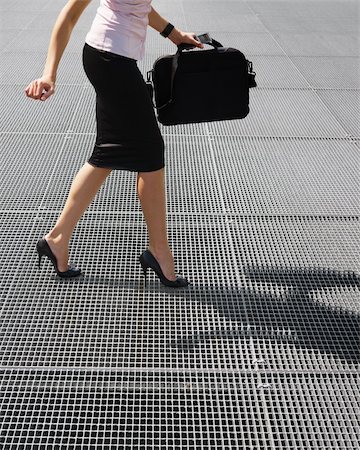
x=128, y=136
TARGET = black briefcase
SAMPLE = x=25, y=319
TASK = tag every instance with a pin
x=201, y=85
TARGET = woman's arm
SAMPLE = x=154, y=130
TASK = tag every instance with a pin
x=176, y=36
x=60, y=35
x=59, y=39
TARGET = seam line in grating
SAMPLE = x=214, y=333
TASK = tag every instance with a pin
x=348, y=138
x=258, y=88
x=182, y=214
x=229, y=215
x=254, y=370
x=311, y=88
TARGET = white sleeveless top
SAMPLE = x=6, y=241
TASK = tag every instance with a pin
x=120, y=27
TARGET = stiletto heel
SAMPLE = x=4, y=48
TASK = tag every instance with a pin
x=43, y=248
x=144, y=267
x=147, y=259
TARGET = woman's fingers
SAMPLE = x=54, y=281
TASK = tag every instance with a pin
x=37, y=87
x=194, y=37
x=28, y=90
x=32, y=90
x=195, y=41
x=49, y=90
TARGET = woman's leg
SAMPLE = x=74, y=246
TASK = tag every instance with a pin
x=85, y=185
x=151, y=192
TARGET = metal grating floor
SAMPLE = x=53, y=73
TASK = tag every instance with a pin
x=263, y=350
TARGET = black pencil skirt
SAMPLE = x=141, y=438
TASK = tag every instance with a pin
x=127, y=133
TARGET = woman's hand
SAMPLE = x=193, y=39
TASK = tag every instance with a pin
x=181, y=37
x=36, y=87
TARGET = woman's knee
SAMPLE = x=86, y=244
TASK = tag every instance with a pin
x=100, y=170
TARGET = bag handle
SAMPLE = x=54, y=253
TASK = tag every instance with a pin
x=184, y=46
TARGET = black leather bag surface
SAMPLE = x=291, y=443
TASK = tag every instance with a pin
x=201, y=85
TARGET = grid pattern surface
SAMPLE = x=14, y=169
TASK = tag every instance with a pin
x=262, y=351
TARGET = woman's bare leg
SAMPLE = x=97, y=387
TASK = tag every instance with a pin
x=85, y=185
x=150, y=188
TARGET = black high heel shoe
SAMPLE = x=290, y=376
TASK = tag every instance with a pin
x=43, y=248
x=147, y=259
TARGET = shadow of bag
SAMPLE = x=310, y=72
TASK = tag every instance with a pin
x=201, y=85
